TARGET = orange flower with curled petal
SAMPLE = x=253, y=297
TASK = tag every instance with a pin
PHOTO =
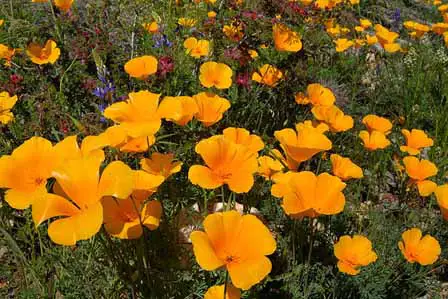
x=419, y=171
x=123, y=218
x=141, y=67
x=386, y=38
x=238, y=243
x=210, y=108
x=441, y=193
x=269, y=166
x=214, y=74
x=25, y=172
x=377, y=123
x=136, y=145
x=317, y=95
x=6, y=104
x=217, y=292
x=415, y=140
x=268, y=75
x=374, y=140
x=63, y=5
x=285, y=39
x=49, y=53
x=179, y=110
x=440, y=28
x=344, y=168
x=307, y=195
x=418, y=29
x=197, y=48
x=161, y=164
x=243, y=137
x=333, y=117
x=305, y=142
x=138, y=115
x=353, y=253
x=343, y=44
x=227, y=163
x=414, y=248
x=80, y=200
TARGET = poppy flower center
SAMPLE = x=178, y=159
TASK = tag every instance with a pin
x=39, y=181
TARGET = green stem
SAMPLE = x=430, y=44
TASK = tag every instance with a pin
x=61, y=82
x=225, y=284
x=310, y=250
x=11, y=8
x=56, y=26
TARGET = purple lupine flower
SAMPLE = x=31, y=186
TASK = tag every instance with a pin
x=161, y=40
x=396, y=19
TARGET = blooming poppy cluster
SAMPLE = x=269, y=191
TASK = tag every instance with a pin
x=112, y=179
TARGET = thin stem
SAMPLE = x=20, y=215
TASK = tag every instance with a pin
x=11, y=8
x=61, y=82
x=56, y=26
x=310, y=250
x=225, y=284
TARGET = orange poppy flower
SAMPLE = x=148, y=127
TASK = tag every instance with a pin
x=49, y=53
x=80, y=183
x=343, y=44
x=197, y=48
x=152, y=27
x=387, y=38
x=214, y=74
x=419, y=171
x=285, y=39
x=161, y=164
x=268, y=167
x=268, y=75
x=217, y=292
x=243, y=137
x=365, y=23
x=123, y=218
x=7, y=54
x=440, y=28
x=317, y=95
x=239, y=243
x=333, y=117
x=371, y=39
x=374, y=140
x=344, y=168
x=415, y=140
x=414, y=248
x=305, y=142
x=138, y=115
x=377, y=123
x=353, y=253
x=25, y=172
x=63, y=5
x=418, y=30
x=227, y=163
x=441, y=193
x=211, y=14
x=141, y=67
x=68, y=148
x=179, y=110
x=307, y=195
x=6, y=104
x=138, y=145
x=210, y=108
